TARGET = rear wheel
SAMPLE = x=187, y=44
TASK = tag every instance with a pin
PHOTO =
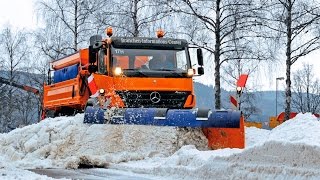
x=50, y=114
x=67, y=111
x=64, y=111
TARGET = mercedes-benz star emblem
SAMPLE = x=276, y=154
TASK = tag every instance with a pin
x=155, y=97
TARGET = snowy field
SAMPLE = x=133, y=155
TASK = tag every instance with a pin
x=290, y=151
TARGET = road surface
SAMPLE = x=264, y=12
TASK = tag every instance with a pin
x=92, y=174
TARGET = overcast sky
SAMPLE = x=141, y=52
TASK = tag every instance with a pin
x=17, y=13
x=21, y=14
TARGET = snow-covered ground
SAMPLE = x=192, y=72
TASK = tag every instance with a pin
x=289, y=151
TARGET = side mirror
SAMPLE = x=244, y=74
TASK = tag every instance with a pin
x=200, y=56
x=92, y=68
x=92, y=55
x=95, y=44
x=94, y=39
x=200, y=71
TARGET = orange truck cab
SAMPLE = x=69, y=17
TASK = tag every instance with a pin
x=127, y=72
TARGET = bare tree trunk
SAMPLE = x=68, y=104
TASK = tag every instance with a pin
x=135, y=18
x=217, y=87
x=75, y=38
x=308, y=91
x=288, y=92
x=288, y=61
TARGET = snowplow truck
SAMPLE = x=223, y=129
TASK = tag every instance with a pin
x=124, y=80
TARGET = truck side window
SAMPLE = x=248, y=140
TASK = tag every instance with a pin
x=50, y=75
x=181, y=60
x=101, y=62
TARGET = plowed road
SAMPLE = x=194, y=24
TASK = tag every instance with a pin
x=92, y=174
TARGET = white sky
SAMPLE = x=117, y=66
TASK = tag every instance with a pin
x=21, y=14
x=18, y=13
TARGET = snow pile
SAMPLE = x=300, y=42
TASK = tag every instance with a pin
x=302, y=129
x=255, y=136
x=67, y=142
x=289, y=151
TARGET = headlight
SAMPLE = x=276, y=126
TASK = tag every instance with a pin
x=101, y=91
x=190, y=72
x=117, y=71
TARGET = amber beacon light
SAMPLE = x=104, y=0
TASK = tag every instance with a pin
x=160, y=33
x=109, y=31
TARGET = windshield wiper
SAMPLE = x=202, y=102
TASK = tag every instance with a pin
x=137, y=71
x=163, y=69
x=172, y=71
x=147, y=71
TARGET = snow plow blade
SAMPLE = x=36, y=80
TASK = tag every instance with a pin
x=223, y=129
x=165, y=117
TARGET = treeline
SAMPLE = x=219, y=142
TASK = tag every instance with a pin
x=239, y=35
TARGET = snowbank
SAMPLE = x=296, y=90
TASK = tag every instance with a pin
x=289, y=151
x=67, y=142
x=302, y=129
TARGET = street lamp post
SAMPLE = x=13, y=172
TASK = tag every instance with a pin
x=278, y=78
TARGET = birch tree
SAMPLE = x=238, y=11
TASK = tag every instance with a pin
x=14, y=51
x=295, y=24
x=306, y=90
x=134, y=17
x=68, y=25
x=217, y=25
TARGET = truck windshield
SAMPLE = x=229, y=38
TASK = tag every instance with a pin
x=150, y=60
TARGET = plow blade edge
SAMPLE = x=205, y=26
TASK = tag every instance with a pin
x=203, y=118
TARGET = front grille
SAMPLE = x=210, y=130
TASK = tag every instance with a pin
x=168, y=99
